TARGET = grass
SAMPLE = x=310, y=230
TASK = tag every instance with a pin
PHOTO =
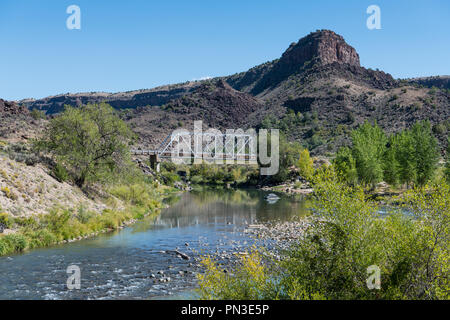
x=140, y=199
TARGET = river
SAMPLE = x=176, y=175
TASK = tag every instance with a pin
x=133, y=263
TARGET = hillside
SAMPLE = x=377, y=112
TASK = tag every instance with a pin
x=216, y=103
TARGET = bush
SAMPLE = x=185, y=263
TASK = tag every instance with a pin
x=251, y=281
x=5, y=220
x=346, y=236
x=37, y=114
x=12, y=243
x=60, y=173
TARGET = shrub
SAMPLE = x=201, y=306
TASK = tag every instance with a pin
x=251, y=280
x=5, y=220
x=37, y=114
x=60, y=173
x=12, y=243
x=8, y=193
x=447, y=165
x=345, y=237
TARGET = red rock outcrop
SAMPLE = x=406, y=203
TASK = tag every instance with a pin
x=323, y=47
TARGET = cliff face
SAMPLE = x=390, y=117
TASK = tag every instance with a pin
x=322, y=47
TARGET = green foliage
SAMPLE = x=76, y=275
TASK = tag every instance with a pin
x=426, y=154
x=37, y=114
x=305, y=165
x=447, y=165
x=221, y=174
x=251, y=281
x=416, y=154
x=137, y=194
x=345, y=165
x=369, y=145
x=343, y=240
x=60, y=173
x=408, y=157
x=12, y=243
x=391, y=165
x=5, y=220
x=403, y=148
x=289, y=156
x=90, y=141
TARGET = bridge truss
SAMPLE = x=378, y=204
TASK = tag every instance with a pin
x=184, y=147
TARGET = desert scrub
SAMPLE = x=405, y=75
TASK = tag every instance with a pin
x=5, y=220
x=8, y=193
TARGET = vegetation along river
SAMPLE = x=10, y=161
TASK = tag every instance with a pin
x=140, y=262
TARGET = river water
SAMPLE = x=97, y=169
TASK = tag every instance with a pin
x=133, y=263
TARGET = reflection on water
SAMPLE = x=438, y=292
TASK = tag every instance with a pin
x=120, y=265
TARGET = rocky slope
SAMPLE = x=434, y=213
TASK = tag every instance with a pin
x=216, y=103
x=31, y=190
x=16, y=123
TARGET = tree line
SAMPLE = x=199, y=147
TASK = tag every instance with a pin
x=409, y=157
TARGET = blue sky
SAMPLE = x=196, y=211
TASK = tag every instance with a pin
x=127, y=45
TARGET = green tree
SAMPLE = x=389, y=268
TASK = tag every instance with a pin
x=447, y=165
x=305, y=164
x=369, y=145
x=426, y=155
x=404, y=154
x=391, y=166
x=91, y=141
x=289, y=152
x=345, y=165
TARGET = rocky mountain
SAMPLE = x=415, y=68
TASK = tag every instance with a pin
x=317, y=49
x=316, y=92
x=323, y=92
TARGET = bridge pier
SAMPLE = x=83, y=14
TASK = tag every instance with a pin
x=155, y=162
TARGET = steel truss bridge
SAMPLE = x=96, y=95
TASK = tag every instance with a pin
x=212, y=147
